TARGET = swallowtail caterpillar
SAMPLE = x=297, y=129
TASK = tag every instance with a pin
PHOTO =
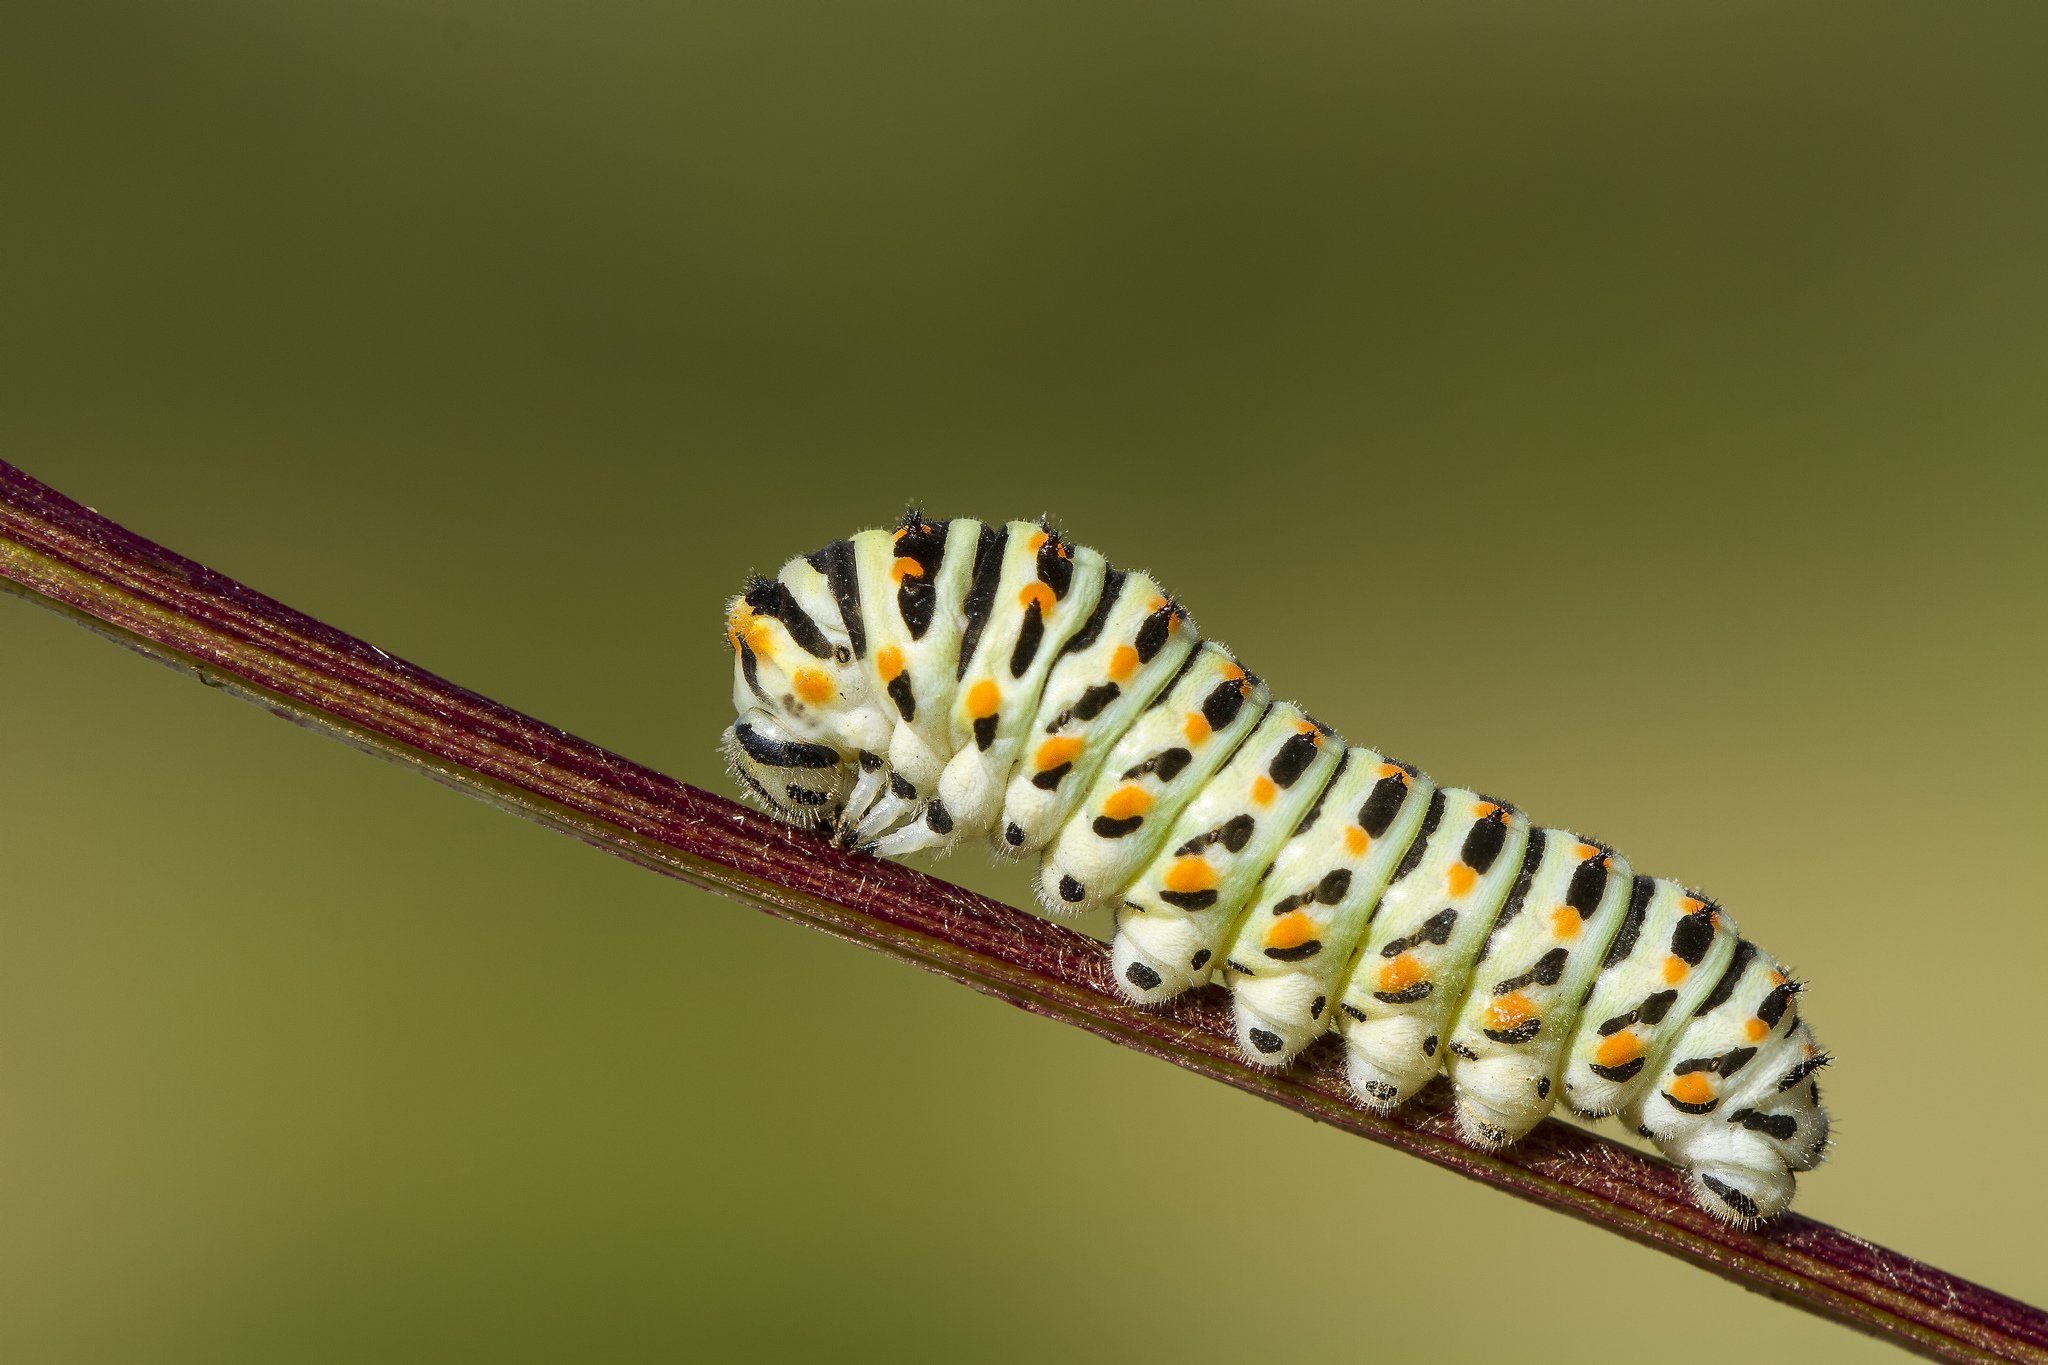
x=911, y=688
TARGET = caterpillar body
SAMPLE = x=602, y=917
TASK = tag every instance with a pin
x=911, y=688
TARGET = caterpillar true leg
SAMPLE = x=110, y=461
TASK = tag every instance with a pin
x=902, y=690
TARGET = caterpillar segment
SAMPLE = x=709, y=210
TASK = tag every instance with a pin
x=1534, y=970
x=1671, y=949
x=907, y=689
x=1170, y=752
x=1405, y=987
x=1179, y=914
x=1293, y=951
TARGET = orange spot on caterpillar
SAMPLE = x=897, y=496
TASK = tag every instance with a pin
x=1394, y=770
x=1675, y=970
x=1197, y=728
x=1290, y=931
x=1263, y=790
x=1036, y=594
x=1356, y=841
x=1777, y=978
x=757, y=631
x=983, y=698
x=1058, y=750
x=1692, y=1088
x=1692, y=905
x=1509, y=1011
x=1038, y=541
x=1127, y=801
x=1123, y=663
x=1566, y=922
x=812, y=685
x=1757, y=1030
x=1403, y=972
x=889, y=662
x=1618, y=1049
x=1586, y=852
x=1232, y=673
x=1188, y=875
x=1156, y=603
x=905, y=567
x=1482, y=809
x=1460, y=878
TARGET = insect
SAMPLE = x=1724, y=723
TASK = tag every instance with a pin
x=908, y=689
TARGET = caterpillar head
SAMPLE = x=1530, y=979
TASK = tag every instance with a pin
x=803, y=698
x=793, y=660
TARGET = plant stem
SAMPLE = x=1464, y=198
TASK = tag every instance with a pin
x=64, y=556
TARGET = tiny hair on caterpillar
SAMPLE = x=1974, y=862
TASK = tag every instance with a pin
x=910, y=688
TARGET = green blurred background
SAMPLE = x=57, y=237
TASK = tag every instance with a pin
x=1637, y=412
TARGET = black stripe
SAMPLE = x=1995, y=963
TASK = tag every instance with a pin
x=1029, y=636
x=1773, y=1008
x=1315, y=812
x=1779, y=1126
x=1223, y=703
x=1725, y=987
x=1484, y=841
x=1548, y=970
x=1516, y=1036
x=1412, y=859
x=1091, y=629
x=981, y=591
x=750, y=668
x=1054, y=569
x=1728, y=1194
x=1296, y=753
x=1094, y=700
x=1693, y=936
x=900, y=693
x=1588, y=885
x=1377, y=814
x=1187, y=662
x=1803, y=1070
x=918, y=594
x=782, y=754
x=772, y=597
x=1152, y=632
x=1632, y=923
x=1520, y=894
x=836, y=562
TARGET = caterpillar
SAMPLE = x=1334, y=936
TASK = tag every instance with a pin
x=908, y=689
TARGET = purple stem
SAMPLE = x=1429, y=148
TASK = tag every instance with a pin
x=65, y=556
